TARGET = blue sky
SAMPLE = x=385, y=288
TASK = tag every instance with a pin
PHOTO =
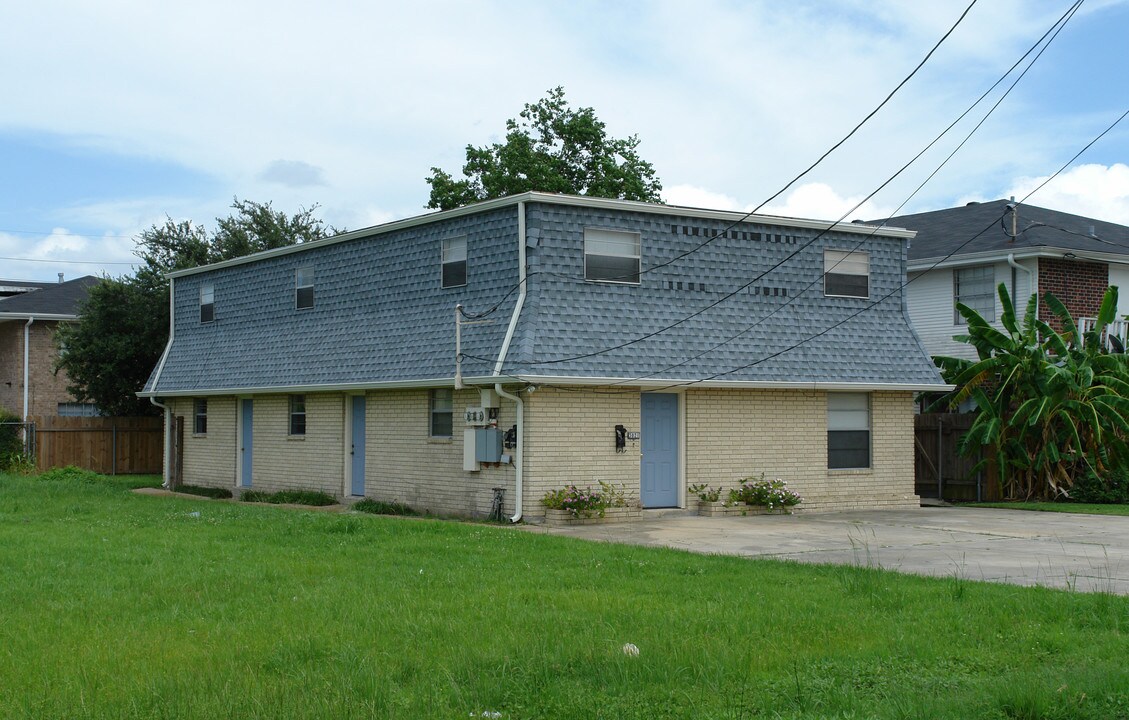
x=118, y=114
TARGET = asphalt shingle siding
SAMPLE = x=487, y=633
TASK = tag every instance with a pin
x=759, y=325
x=379, y=313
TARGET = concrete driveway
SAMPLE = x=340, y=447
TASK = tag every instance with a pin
x=1079, y=552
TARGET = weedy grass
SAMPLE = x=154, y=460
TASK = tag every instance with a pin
x=313, y=498
x=1062, y=507
x=117, y=605
x=379, y=507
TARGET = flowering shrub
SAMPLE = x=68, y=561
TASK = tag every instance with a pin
x=705, y=493
x=585, y=502
x=769, y=493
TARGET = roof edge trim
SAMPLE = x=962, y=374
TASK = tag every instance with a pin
x=554, y=199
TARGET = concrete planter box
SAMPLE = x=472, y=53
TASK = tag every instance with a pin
x=611, y=515
x=718, y=509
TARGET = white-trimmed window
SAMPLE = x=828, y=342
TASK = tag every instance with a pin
x=207, y=303
x=454, y=262
x=846, y=273
x=442, y=413
x=200, y=416
x=611, y=255
x=297, y=414
x=303, y=288
x=848, y=430
x=976, y=288
x=77, y=409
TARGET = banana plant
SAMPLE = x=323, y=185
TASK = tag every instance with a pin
x=1051, y=404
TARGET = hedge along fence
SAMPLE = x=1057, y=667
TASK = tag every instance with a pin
x=107, y=445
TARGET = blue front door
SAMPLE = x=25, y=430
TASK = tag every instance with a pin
x=658, y=479
x=357, y=484
x=245, y=435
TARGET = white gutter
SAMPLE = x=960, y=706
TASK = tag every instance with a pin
x=1031, y=289
x=27, y=359
x=156, y=378
x=167, y=464
x=520, y=445
x=676, y=383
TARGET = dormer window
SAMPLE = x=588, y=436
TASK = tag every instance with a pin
x=846, y=273
x=454, y=262
x=611, y=256
x=207, y=303
x=303, y=288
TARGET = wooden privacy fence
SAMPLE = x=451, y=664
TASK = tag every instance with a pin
x=108, y=445
x=939, y=470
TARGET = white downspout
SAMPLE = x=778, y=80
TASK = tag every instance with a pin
x=156, y=378
x=1031, y=289
x=27, y=343
x=519, y=450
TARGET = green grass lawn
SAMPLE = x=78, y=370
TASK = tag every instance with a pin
x=118, y=605
x=1062, y=507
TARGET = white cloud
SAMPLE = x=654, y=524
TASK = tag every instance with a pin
x=730, y=100
x=1096, y=191
x=822, y=202
x=697, y=197
x=293, y=173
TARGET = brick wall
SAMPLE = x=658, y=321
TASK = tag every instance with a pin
x=729, y=434
x=47, y=388
x=570, y=440
x=404, y=464
x=1079, y=285
x=210, y=459
x=314, y=461
x=732, y=434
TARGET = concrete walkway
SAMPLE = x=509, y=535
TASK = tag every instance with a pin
x=1087, y=553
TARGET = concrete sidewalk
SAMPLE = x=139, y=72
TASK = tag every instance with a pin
x=1087, y=553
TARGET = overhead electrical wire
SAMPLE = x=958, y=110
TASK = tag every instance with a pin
x=893, y=292
x=779, y=192
x=1055, y=28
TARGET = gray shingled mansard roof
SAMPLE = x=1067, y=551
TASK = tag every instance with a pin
x=381, y=320
x=57, y=301
x=981, y=231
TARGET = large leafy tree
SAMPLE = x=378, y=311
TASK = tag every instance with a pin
x=1051, y=406
x=123, y=325
x=551, y=148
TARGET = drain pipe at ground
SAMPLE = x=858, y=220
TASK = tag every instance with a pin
x=27, y=360
x=520, y=445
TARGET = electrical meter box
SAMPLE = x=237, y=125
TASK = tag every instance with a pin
x=481, y=445
x=488, y=445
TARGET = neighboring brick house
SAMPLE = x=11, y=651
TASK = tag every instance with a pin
x=964, y=253
x=29, y=314
x=779, y=346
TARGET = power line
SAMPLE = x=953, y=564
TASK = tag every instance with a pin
x=72, y=262
x=1056, y=27
x=791, y=182
x=900, y=287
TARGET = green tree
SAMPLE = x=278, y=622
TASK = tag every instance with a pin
x=123, y=325
x=1051, y=406
x=552, y=148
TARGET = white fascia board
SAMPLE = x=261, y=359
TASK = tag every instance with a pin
x=552, y=199
x=991, y=256
x=335, y=387
x=37, y=316
x=679, y=384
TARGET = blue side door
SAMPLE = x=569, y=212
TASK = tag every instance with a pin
x=357, y=451
x=246, y=434
x=658, y=480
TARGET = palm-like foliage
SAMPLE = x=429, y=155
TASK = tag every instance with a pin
x=1051, y=404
